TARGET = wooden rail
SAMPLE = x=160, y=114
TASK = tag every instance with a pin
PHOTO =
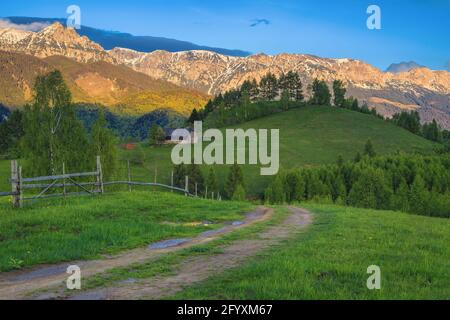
x=18, y=184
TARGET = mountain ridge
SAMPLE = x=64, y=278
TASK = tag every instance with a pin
x=111, y=39
x=419, y=89
x=98, y=82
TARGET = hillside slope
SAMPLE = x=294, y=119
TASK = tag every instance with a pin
x=116, y=86
x=310, y=135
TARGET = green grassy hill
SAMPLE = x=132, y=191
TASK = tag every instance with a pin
x=309, y=136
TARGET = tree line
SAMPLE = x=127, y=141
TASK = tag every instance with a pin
x=235, y=188
x=272, y=95
x=410, y=183
x=411, y=122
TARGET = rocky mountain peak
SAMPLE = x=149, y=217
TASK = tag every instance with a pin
x=57, y=40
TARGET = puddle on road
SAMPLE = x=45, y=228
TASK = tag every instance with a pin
x=128, y=281
x=167, y=243
x=42, y=273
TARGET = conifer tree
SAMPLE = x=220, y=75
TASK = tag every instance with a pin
x=179, y=175
x=211, y=181
x=369, y=149
x=195, y=178
x=239, y=194
x=339, y=93
x=235, y=178
x=419, y=196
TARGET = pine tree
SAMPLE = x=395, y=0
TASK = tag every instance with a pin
x=285, y=100
x=239, y=194
x=419, y=196
x=179, y=175
x=275, y=192
x=339, y=93
x=195, y=178
x=321, y=93
x=195, y=116
x=211, y=181
x=235, y=178
x=369, y=149
x=269, y=87
x=254, y=91
x=370, y=190
x=400, y=199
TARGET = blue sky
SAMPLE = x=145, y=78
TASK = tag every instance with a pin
x=417, y=30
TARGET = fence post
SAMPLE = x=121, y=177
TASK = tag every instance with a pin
x=212, y=195
x=186, y=186
x=156, y=174
x=196, y=189
x=15, y=188
x=129, y=175
x=171, y=180
x=20, y=187
x=64, y=180
x=99, y=175
x=206, y=192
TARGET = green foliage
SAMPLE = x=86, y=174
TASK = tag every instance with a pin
x=211, y=181
x=370, y=190
x=321, y=93
x=235, y=179
x=408, y=120
x=275, y=193
x=383, y=182
x=268, y=87
x=369, y=149
x=239, y=194
x=11, y=131
x=431, y=131
x=179, y=175
x=195, y=178
x=339, y=93
x=156, y=135
x=252, y=100
x=104, y=145
x=53, y=135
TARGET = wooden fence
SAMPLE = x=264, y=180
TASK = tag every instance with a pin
x=66, y=181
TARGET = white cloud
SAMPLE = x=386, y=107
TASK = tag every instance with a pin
x=35, y=26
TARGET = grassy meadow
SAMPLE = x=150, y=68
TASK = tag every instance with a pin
x=85, y=227
x=330, y=260
x=309, y=136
